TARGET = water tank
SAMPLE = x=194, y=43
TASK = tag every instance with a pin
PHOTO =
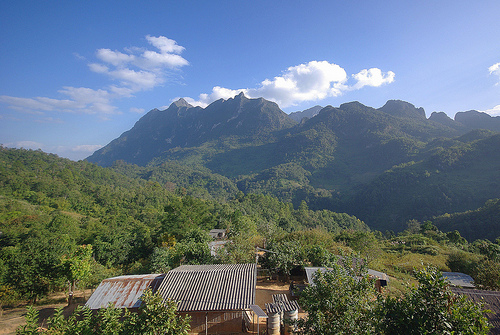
x=289, y=318
x=273, y=323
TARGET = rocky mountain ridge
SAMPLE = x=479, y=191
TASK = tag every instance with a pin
x=346, y=158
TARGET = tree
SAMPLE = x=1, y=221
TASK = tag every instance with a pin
x=341, y=300
x=77, y=267
x=285, y=256
x=431, y=308
x=487, y=274
x=35, y=265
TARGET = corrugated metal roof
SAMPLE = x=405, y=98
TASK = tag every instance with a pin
x=311, y=271
x=459, y=279
x=283, y=304
x=378, y=274
x=123, y=291
x=211, y=287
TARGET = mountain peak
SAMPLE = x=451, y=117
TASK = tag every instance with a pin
x=402, y=109
x=308, y=113
x=240, y=96
x=181, y=103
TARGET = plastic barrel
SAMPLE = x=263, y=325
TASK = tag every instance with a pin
x=273, y=323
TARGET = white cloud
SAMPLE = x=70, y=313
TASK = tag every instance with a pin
x=115, y=58
x=141, y=69
x=135, y=69
x=166, y=45
x=75, y=153
x=136, y=80
x=311, y=81
x=495, y=70
x=217, y=93
x=137, y=110
x=495, y=111
x=372, y=77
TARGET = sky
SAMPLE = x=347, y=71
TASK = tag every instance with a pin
x=74, y=75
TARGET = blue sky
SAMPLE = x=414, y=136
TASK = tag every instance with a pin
x=75, y=75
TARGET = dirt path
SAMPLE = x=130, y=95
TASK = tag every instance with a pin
x=12, y=318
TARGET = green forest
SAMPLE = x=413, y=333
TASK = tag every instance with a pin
x=75, y=222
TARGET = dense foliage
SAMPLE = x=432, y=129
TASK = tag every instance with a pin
x=153, y=318
x=343, y=301
x=431, y=308
x=55, y=213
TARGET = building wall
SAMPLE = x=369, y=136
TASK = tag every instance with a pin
x=219, y=322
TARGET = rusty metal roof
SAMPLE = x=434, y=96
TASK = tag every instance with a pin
x=210, y=287
x=123, y=291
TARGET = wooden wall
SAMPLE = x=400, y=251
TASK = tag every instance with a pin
x=219, y=322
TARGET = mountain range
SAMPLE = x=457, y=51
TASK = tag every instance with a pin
x=386, y=166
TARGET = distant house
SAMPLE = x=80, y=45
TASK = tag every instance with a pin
x=214, y=296
x=216, y=246
x=381, y=279
x=123, y=291
x=459, y=279
x=218, y=234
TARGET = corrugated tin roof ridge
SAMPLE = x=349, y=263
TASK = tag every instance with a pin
x=230, y=286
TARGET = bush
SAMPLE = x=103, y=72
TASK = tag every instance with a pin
x=431, y=308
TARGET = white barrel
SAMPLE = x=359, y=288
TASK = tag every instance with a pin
x=273, y=323
x=289, y=318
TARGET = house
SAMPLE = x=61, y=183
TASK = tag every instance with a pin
x=216, y=247
x=123, y=291
x=217, y=234
x=216, y=297
x=381, y=279
x=459, y=279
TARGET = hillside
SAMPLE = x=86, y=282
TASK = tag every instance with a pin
x=55, y=212
x=353, y=158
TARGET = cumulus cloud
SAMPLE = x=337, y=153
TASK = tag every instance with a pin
x=495, y=70
x=141, y=69
x=133, y=70
x=372, y=77
x=311, y=81
x=495, y=111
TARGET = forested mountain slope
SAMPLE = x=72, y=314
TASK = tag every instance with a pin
x=352, y=158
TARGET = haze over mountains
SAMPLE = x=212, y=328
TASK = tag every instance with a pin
x=385, y=166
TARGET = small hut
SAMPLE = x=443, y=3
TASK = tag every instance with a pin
x=123, y=291
x=216, y=297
